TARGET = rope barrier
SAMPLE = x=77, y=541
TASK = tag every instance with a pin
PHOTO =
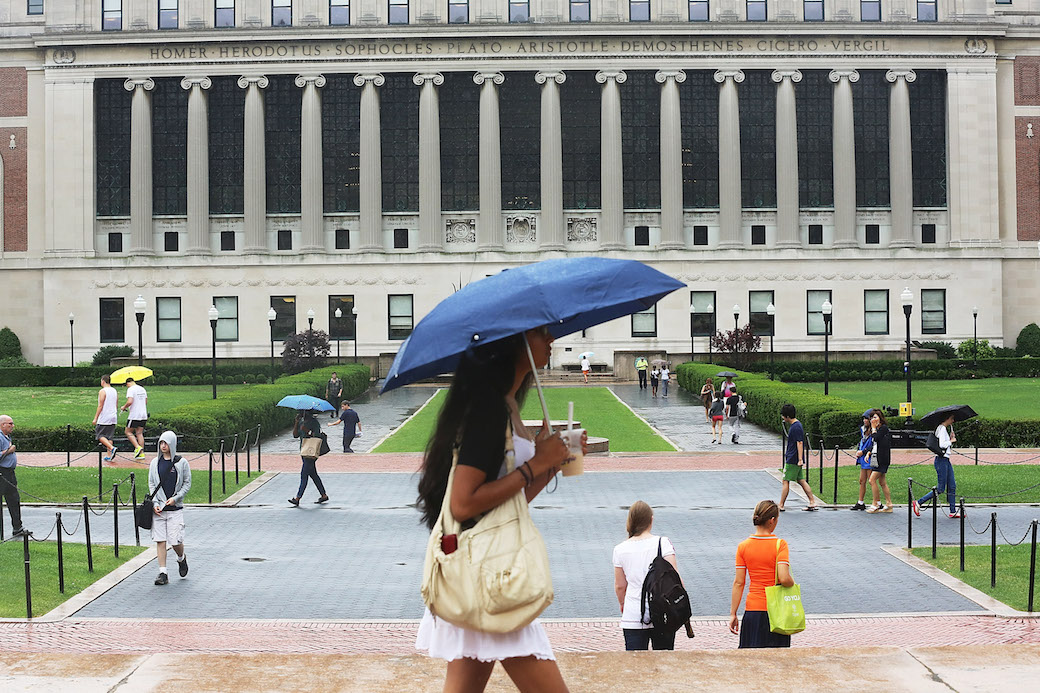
x=1003, y=495
x=1016, y=543
x=984, y=529
x=981, y=461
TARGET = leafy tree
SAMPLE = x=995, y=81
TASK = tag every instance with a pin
x=943, y=350
x=739, y=344
x=305, y=351
x=104, y=355
x=10, y=346
x=1028, y=343
x=966, y=349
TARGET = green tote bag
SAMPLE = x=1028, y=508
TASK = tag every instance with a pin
x=784, y=605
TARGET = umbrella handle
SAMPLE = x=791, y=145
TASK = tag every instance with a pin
x=537, y=382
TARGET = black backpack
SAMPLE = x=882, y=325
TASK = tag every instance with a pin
x=932, y=443
x=663, y=591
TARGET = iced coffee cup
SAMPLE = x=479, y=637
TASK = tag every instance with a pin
x=575, y=464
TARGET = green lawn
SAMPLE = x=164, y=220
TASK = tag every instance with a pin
x=70, y=484
x=981, y=480
x=57, y=406
x=43, y=572
x=596, y=407
x=1012, y=571
x=998, y=398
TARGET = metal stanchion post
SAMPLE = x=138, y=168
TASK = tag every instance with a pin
x=835, y=476
x=819, y=487
x=976, y=453
x=133, y=504
x=249, y=465
x=68, y=445
x=257, y=449
x=236, y=459
x=223, y=479
x=100, y=488
x=211, y=477
x=86, y=527
x=935, y=518
x=1032, y=568
x=115, y=518
x=61, y=557
x=1, y=516
x=993, y=550
x=909, y=513
x=28, y=584
x=962, y=534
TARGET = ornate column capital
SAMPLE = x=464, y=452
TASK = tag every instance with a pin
x=836, y=76
x=375, y=78
x=188, y=82
x=893, y=75
x=618, y=76
x=544, y=76
x=304, y=80
x=779, y=76
x=662, y=76
x=495, y=77
x=133, y=83
x=421, y=78
x=722, y=75
x=260, y=81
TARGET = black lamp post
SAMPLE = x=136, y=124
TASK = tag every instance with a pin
x=271, y=317
x=693, y=311
x=827, y=308
x=310, y=335
x=711, y=332
x=771, y=312
x=72, y=341
x=139, y=306
x=736, y=318
x=907, y=299
x=339, y=314
x=213, y=315
x=975, y=336
x=353, y=313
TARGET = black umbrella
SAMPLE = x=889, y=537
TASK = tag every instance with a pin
x=960, y=412
x=726, y=374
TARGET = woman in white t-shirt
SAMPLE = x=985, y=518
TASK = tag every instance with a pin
x=632, y=559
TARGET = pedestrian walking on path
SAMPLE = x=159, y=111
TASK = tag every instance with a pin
x=351, y=424
x=864, y=455
x=632, y=559
x=641, y=366
x=707, y=397
x=733, y=413
x=333, y=393
x=137, y=406
x=943, y=469
x=306, y=426
x=718, y=414
x=882, y=454
x=764, y=557
x=586, y=366
x=794, y=457
x=482, y=407
x=105, y=417
x=655, y=380
x=8, y=480
x=169, y=480
x=666, y=375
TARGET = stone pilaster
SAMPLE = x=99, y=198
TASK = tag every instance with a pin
x=900, y=159
x=489, y=227
x=371, y=177
x=198, y=165
x=431, y=233
x=312, y=188
x=254, y=160
x=141, y=242
x=730, y=206
x=671, y=160
x=843, y=136
x=551, y=234
x=612, y=201
x=787, y=230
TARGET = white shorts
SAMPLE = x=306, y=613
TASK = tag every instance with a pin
x=168, y=526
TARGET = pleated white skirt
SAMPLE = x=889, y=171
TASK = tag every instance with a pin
x=446, y=641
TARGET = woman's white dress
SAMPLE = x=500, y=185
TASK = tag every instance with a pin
x=446, y=641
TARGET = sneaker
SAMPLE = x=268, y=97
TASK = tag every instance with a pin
x=873, y=508
x=323, y=499
x=295, y=501
x=732, y=439
x=916, y=507
x=182, y=567
x=810, y=508
x=110, y=457
x=162, y=579
x=885, y=509
x=858, y=506
x=138, y=453
x=954, y=515
x=21, y=532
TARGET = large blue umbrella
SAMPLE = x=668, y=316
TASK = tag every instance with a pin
x=568, y=295
x=305, y=403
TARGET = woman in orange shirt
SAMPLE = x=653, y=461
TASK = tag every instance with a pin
x=764, y=557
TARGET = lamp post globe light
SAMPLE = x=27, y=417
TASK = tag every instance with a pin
x=72, y=341
x=139, y=306
x=271, y=317
x=693, y=311
x=736, y=317
x=907, y=299
x=975, y=336
x=771, y=312
x=711, y=332
x=310, y=334
x=353, y=313
x=339, y=314
x=827, y=308
x=213, y=315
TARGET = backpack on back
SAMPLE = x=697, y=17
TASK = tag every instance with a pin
x=663, y=591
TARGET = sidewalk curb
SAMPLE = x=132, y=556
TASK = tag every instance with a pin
x=649, y=425
x=402, y=424
x=241, y=494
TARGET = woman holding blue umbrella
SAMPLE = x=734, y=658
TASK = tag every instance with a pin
x=306, y=426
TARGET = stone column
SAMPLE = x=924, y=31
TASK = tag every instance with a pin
x=730, y=208
x=254, y=185
x=431, y=232
x=141, y=242
x=612, y=201
x=787, y=230
x=489, y=228
x=843, y=136
x=551, y=158
x=371, y=164
x=671, y=160
x=312, y=188
x=1006, y=156
x=900, y=159
x=198, y=165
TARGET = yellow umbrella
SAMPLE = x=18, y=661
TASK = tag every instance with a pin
x=134, y=372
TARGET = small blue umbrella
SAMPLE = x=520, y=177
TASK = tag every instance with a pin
x=305, y=403
x=567, y=295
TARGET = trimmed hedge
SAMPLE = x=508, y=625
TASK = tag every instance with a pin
x=202, y=423
x=837, y=420
x=932, y=369
x=88, y=376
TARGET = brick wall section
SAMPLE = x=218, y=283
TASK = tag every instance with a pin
x=15, y=186
x=1027, y=161
x=13, y=91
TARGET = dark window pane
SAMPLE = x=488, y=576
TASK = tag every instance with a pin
x=282, y=100
x=112, y=138
x=400, y=238
x=814, y=97
x=341, y=143
x=284, y=239
x=757, y=99
x=342, y=239
x=870, y=111
x=928, y=137
x=171, y=241
x=641, y=140
x=285, y=320
x=169, y=147
x=227, y=240
x=699, y=109
x=115, y=242
x=815, y=234
x=226, y=115
x=460, y=145
x=873, y=234
x=700, y=235
x=758, y=235
x=343, y=326
x=520, y=127
x=399, y=141
x=928, y=233
x=580, y=111
x=642, y=235
x=111, y=319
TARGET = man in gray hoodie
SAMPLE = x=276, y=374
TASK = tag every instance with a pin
x=169, y=479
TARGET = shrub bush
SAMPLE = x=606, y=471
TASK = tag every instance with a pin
x=1028, y=343
x=966, y=350
x=10, y=345
x=955, y=369
x=88, y=376
x=104, y=355
x=943, y=350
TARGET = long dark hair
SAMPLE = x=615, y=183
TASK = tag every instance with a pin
x=475, y=402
